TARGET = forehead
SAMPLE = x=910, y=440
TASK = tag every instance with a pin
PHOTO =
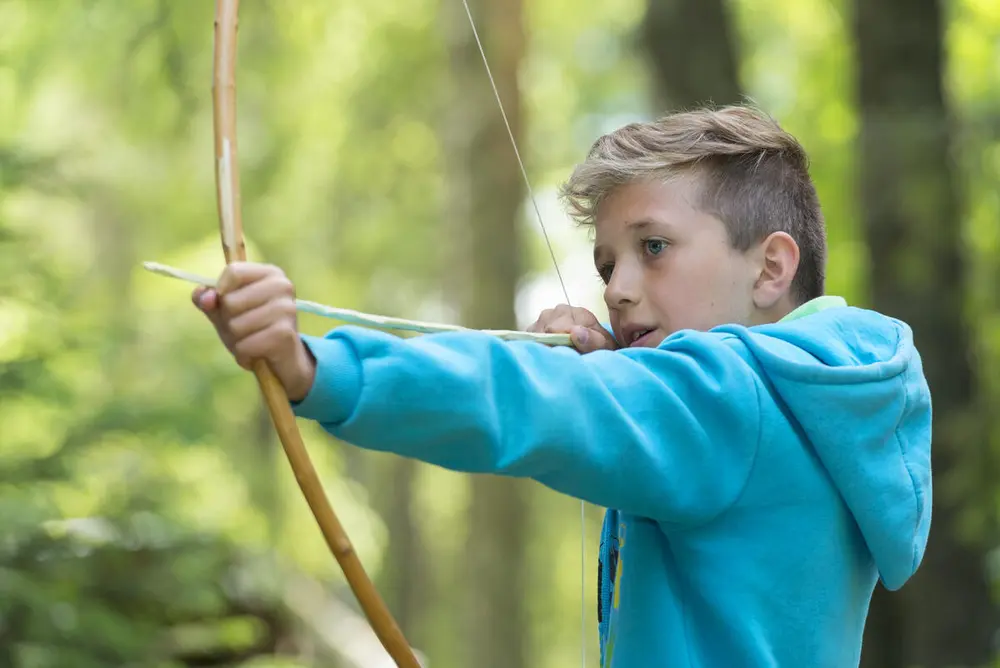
x=648, y=204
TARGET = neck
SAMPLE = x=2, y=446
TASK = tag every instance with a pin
x=774, y=313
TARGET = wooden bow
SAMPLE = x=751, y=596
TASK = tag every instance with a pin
x=227, y=184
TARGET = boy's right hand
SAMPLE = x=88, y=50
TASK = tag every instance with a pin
x=584, y=328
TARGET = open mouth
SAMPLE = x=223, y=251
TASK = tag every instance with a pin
x=639, y=336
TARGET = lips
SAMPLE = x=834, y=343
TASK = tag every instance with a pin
x=636, y=335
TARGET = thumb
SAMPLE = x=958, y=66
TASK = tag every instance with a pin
x=587, y=340
x=207, y=301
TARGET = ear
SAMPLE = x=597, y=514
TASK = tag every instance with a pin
x=779, y=261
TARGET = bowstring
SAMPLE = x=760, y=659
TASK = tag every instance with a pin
x=562, y=284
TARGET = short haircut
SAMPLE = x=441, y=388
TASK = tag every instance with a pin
x=752, y=175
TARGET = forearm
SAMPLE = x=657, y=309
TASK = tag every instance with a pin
x=641, y=431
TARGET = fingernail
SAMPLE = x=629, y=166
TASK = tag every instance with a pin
x=581, y=334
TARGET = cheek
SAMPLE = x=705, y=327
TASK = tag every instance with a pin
x=613, y=319
x=697, y=296
x=726, y=298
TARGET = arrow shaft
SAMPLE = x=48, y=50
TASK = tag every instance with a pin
x=371, y=320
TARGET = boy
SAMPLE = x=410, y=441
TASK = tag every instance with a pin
x=764, y=450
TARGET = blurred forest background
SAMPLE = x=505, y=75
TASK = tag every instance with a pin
x=149, y=516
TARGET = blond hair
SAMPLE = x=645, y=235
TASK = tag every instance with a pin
x=752, y=175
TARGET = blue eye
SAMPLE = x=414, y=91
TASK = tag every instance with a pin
x=655, y=246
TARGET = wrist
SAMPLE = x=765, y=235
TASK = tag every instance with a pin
x=302, y=381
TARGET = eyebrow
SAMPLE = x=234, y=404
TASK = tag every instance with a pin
x=641, y=223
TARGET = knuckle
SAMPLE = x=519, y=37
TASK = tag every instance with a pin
x=253, y=351
x=237, y=328
x=284, y=285
x=241, y=347
x=276, y=277
x=242, y=359
x=280, y=328
x=558, y=325
x=288, y=334
x=229, y=308
x=235, y=273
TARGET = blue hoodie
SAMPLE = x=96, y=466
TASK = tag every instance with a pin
x=760, y=479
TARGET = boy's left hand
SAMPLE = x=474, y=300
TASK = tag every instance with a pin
x=584, y=328
x=253, y=311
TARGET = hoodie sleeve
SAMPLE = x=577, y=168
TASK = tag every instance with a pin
x=668, y=433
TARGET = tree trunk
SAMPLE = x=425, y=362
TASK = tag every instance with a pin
x=486, y=193
x=945, y=616
x=689, y=46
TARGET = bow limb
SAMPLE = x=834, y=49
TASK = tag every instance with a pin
x=231, y=229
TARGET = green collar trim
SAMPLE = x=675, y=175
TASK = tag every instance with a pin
x=815, y=306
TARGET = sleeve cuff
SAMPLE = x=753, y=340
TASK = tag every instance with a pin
x=337, y=386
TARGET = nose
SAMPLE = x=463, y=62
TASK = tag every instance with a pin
x=624, y=287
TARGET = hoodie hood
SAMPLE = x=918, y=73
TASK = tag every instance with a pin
x=854, y=381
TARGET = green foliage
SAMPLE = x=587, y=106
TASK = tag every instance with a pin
x=140, y=592
x=120, y=412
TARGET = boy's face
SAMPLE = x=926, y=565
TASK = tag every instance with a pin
x=667, y=266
